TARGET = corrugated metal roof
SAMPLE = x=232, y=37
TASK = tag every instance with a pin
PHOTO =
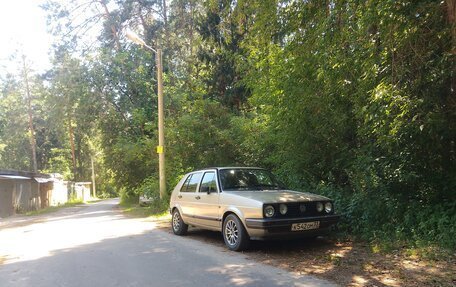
x=14, y=177
x=42, y=180
x=9, y=172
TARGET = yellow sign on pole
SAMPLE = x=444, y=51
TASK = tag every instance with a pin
x=160, y=149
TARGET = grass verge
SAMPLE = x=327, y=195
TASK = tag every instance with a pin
x=156, y=210
x=51, y=209
x=95, y=200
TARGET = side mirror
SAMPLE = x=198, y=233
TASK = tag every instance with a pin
x=205, y=189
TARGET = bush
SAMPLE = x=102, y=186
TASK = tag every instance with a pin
x=128, y=196
x=158, y=206
x=149, y=188
x=380, y=217
x=107, y=190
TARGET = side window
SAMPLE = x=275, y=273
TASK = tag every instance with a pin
x=193, y=181
x=208, y=184
x=185, y=185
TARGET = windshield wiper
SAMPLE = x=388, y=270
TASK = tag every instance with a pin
x=267, y=185
x=244, y=187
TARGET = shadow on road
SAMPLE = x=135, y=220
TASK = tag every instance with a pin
x=346, y=262
x=117, y=251
x=153, y=258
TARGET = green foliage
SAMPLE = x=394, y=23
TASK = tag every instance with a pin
x=348, y=106
x=384, y=218
x=58, y=163
x=14, y=136
x=149, y=188
x=202, y=136
x=128, y=196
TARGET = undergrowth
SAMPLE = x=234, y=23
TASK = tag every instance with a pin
x=389, y=223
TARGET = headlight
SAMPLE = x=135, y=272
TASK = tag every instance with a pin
x=302, y=208
x=269, y=211
x=283, y=208
x=319, y=206
x=328, y=207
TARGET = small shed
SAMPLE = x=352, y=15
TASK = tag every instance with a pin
x=22, y=191
x=82, y=190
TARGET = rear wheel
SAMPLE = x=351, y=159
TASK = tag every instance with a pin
x=178, y=225
x=234, y=233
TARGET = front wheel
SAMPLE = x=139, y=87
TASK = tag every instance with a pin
x=178, y=225
x=234, y=233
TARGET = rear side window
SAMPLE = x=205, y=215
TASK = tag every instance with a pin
x=184, y=186
x=191, y=182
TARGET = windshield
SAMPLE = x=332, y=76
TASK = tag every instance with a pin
x=248, y=179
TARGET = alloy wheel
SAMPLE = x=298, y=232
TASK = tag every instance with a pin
x=231, y=232
x=176, y=221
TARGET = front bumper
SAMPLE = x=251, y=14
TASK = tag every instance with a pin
x=281, y=227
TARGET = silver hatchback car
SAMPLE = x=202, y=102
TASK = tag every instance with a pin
x=247, y=203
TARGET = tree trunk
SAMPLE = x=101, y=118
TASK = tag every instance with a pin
x=30, y=116
x=165, y=22
x=94, y=189
x=450, y=100
x=73, y=154
x=451, y=16
x=192, y=21
x=190, y=62
x=113, y=28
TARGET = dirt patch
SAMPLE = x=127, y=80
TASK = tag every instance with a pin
x=347, y=263
x=354, y=264
x=163, y=222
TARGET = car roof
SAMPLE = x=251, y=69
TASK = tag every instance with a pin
x=229, y=167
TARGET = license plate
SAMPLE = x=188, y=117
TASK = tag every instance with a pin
x=305, y=226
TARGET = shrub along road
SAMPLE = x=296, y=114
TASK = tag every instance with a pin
x=96, y=245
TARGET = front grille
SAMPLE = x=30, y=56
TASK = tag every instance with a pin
x=294, y=211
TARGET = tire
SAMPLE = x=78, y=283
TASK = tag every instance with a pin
x=177, y=224
x=234, y=234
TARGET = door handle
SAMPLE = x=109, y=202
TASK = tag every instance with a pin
x=179, y=196
x=198, y=197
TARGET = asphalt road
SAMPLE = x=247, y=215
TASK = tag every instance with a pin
x=95, y=245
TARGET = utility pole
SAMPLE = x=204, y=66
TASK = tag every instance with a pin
x=161, y=127
x=30, y=115
x=161, y=116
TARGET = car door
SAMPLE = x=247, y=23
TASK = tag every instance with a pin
x=207, y=207
x=187, y=196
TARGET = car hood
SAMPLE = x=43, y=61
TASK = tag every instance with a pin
x=272, y=196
